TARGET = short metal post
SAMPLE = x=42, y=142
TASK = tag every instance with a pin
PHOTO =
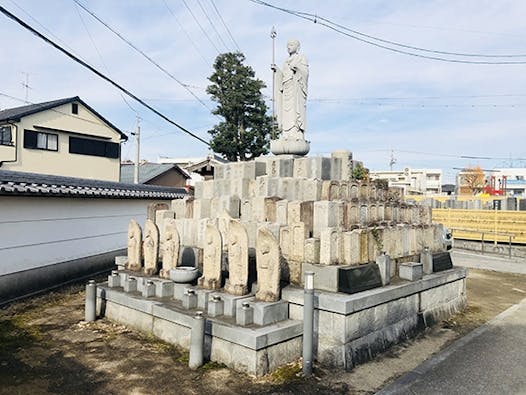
x=482, y=242
x=308, y=323
x=90, y=308
x=197, y=341
x=509, y=249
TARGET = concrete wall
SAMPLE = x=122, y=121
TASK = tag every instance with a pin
x=61, y=162
x=49, y=240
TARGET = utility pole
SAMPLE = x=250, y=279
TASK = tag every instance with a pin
x=273, y=35
x=392, y=161
x=26, y=86
x=137, y=151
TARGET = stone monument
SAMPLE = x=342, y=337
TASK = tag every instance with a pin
x=290, y=98
x=134, y=246
x=150, y=247
x=236, y=284
x=170, y=246
x=213, y=248
x=268, y=266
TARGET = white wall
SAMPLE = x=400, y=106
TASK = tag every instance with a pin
x=41, y=231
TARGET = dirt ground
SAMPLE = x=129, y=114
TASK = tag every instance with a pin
x=47, y=348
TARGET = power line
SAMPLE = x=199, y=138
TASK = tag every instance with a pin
x=213, y=25
x=419, y=48
x=51, y=109
x=100, y=55
x=225, y=25
x=186, y=33
x=201, y=27
x=330, y=25
x=98, y=73
x=185, y=86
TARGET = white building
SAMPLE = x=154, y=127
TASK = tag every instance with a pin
x=412, y=181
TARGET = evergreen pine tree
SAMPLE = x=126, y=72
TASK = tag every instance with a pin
x=244, y=133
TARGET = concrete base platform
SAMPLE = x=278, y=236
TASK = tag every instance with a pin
x=253, y=349
x=349, y=329
x=352, y=328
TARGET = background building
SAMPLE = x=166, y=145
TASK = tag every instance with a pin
x=169, y=174
x=512, y=180
x=412, y=181
x=64, y=137
x=199, y=169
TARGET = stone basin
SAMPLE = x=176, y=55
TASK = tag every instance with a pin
x=184, y=274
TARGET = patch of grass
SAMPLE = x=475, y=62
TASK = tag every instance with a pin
x=286, y=373
x=211, y=365
x=468, y=319
x=184, y=358
x=15, y=334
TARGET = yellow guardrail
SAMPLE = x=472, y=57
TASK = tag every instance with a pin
x=484, y=225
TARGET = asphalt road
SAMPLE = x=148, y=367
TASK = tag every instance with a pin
x=489, y=360
x=489, y=262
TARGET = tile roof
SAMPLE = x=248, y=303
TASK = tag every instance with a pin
x=15, y=114
x=16, y=183
x=148, y=171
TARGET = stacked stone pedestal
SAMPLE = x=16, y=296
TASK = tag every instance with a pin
x=288, y=214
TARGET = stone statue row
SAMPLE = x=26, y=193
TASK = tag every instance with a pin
x=151, y=250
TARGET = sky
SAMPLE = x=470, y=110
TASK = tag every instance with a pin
x=377, y=102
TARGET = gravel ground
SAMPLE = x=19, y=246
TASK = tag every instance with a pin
x=47, y=348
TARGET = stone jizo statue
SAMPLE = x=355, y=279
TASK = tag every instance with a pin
x=290, y=98
x=290, y=91
x=134, y=246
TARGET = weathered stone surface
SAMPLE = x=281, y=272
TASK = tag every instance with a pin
x=327, y=214
x=201, y=208
x=296, y=254
x=236, y=284
x=354, y=191
x=187, y=229
x=351, y=247
x=230, y=204
x=315, y=167
x=312, y=189
x=411, y=271
x=222, y=188
x=289, y=188
x=363, y=192
x=183, y=208
x=153, y=207
x=312, y=250
x=266, y=186
x=343, y=166
x=170, y=246
x=384, y=265
x=243, y=188
x=352, y=218
x=134, y=246
x=301, y=211
x=268, y=266
x=211, y=278
x=264, y=209
x=151, y=248
x=330, y=246
x=282, y=212
x=280, y=167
